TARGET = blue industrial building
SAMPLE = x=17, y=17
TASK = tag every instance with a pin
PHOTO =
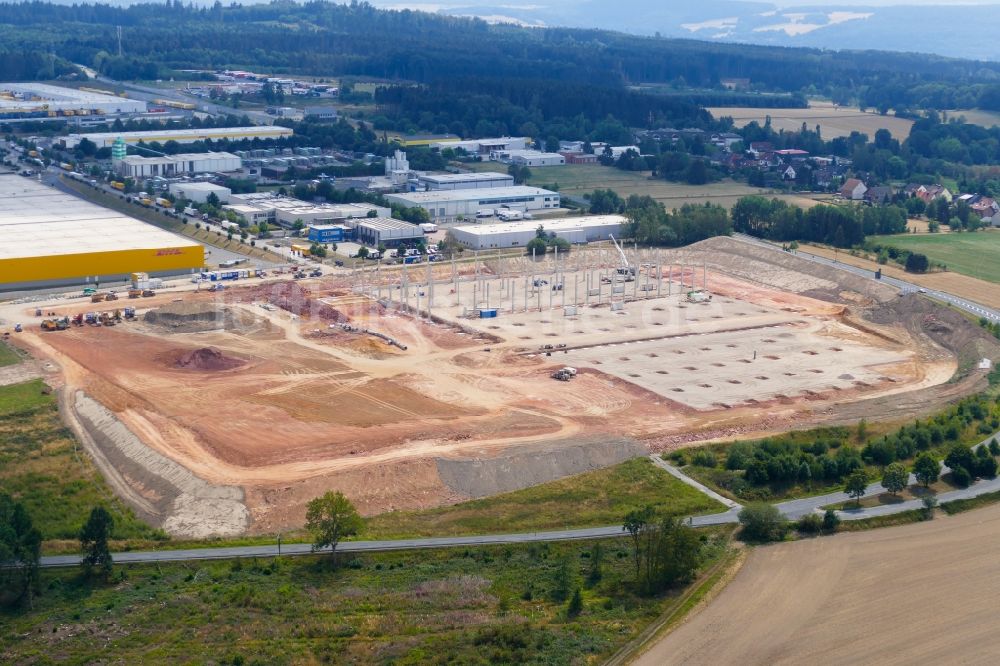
x=328, y=233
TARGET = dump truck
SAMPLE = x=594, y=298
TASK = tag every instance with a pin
x=97, y=298
x=146, y=293
x=134, y=293
x=118, y=185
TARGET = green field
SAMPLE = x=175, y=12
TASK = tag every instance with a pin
x=41, y=467
x=578, y=179
x=489, y=605
x=593, y=499
x=974, y=254
x=8, y=355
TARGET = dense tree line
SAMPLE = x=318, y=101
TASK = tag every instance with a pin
x=841, y=226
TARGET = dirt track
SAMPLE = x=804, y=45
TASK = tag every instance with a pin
x=922, y=593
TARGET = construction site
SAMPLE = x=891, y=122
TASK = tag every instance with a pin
x=407, y=387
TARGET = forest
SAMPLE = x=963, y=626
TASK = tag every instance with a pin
x=327, y=39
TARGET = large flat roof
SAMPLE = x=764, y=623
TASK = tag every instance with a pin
x=385, y=224
x=37, y=221
x=201, y=133
x=561, y=224
x=464, y=177
x=469, y=195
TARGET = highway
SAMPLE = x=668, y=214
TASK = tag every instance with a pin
x=905, y=287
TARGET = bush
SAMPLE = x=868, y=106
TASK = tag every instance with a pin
x=994, y=447
x=831, y=521
x=704, y=458
x=961, y=477
x=762, y=522
x=810, y=524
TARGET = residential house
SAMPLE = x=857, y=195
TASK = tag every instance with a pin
x=928, y=193
x=761, y=148
x=985, y=207
x=789, y=173
x=878, y=196
x=853, y=189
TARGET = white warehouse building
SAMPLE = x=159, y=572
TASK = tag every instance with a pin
x=44, y=97
x=137, y=166
x=447, y=205
x=106, y=139
x=465, y=181
x=268, y=207
x=529, y=158
x=199, y=192
x=576, y=230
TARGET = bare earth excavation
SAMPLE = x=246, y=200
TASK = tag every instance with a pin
x=226, y=412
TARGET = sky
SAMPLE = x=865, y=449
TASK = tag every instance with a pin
x=881, y=3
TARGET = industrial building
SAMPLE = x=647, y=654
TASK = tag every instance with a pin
x=38, y=100
x=375, y=231
x=517, y=234
x=275, y=209
x=199, y=192
x=48, y=237
x=105, y=139
x=464, y=181
x=484, y=146
x=328, y=233
x=448, y=205
x=167, y=166
x=529, y=158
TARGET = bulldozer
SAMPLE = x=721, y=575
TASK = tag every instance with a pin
x=107, y=319
x=48, y=325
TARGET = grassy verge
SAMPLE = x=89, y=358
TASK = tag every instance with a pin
x=601, y=497
x=488, y=605
x=958, y=506
x=904, y=518
x=8, y=355
x=41, y=466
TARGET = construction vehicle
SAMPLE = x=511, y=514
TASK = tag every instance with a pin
x=107, y=319
x=118, y=185
x=625, y=268
x=564, y=374
x=38, y=312
x=78, y=319
x=97, y=298
x=111, y=296
x=698, y=296
x=90, y=318
x=89, y=291
x=134, y=293
x=146, y=293
x=18, y=328
x=129, y=313
x=48, y=325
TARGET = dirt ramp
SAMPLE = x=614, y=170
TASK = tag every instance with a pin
x=530, y=465
x=161, y=491
x=208, y=359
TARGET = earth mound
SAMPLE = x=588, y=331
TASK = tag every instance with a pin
x=208, y=358
x=187, y=317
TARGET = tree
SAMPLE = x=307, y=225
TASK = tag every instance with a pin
x=595, y=573
x=330, y=518
x=297, y=226
x=856, y=485
x=362, y=253
x=762, y=522
x=575, y=606
x=960, y=456
x=895, y=477
x=917, y=263
x=926, y=469
x=20, y=549
x=317, y=250
x=986, y=464
x=636, y=522
x=536, y=246
x=94, y=542
x=212, y=200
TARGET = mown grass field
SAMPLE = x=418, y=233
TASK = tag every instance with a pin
x=975, y=255
x=597, y=498
x=41, y=467
x=490, y=605
x=575, y=180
